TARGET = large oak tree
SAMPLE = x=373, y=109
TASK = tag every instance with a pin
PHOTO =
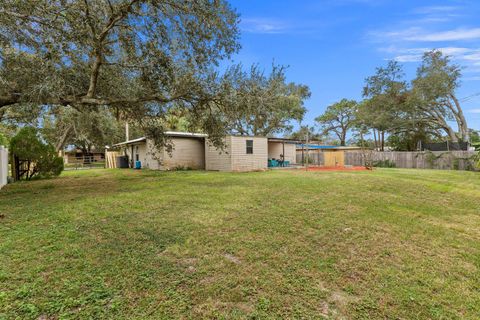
x=434, y=89
x=139, y=57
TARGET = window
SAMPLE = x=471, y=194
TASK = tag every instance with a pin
x=249, y=146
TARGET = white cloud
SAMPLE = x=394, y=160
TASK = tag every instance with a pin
x=409, y=58
x=434, y=15
x=416, y=34
x=263, y=25
x=473, y=111
x=423, y=30
x=436, y=9
x=455, y=51
x=450, y=35
x=469, y=56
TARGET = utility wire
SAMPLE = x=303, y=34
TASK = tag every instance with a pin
x=464, y=99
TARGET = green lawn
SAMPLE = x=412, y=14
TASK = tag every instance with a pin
x=121, y=244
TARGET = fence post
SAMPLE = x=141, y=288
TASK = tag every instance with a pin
x=15, y=167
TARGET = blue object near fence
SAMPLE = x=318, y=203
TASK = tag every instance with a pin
x=272, y=163
x=138, y=165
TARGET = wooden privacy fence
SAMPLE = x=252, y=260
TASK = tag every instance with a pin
x=315, y=158
x=446, y=160
x=3, y=166
x=83, y=162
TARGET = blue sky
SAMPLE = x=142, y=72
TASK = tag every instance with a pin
x=332, y=46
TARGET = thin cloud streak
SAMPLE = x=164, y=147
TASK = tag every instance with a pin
x=416, y=34
x=450, y=35
x=264, y=26
x=436, y=10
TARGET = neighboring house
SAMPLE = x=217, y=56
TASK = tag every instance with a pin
x=193, y=150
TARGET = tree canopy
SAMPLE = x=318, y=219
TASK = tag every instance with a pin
x=339, y=118
x=137, y=56
x=90, y=129
x=385, y=93
x=403, y=113
x=434, y=89
x=417, y=111
x=258, y=104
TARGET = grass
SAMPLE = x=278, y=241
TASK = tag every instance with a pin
x=121, y=244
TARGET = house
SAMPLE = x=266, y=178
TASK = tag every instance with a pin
x=188, y=152
x=195, y=151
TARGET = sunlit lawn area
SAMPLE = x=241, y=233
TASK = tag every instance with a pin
x=121, y=244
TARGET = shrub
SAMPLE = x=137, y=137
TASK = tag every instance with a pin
x=181, y=168
x=385, y=164
x=39, y=159
x=3, y=140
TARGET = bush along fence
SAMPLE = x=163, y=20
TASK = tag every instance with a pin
x=3, y=166
x=444, y=160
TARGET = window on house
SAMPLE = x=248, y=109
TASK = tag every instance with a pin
x=249, y=146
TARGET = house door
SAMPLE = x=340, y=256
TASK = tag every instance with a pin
x=334, y=158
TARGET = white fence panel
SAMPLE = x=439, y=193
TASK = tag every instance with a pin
x=3, y=166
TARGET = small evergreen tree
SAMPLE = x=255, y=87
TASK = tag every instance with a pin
x=38, y=158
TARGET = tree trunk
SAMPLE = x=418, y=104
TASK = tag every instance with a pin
x=383, y=141
x=9, y=100
x=63, y=139
x=461, y=121
x=440, y=121
x=94, y=75
x=451, y=134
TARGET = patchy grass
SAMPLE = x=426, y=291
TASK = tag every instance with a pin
x=121, y=244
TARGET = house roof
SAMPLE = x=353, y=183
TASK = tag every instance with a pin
x=285, y=140
x=167, y=133
x=142, y=139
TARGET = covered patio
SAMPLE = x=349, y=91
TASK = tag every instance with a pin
x=281, y=152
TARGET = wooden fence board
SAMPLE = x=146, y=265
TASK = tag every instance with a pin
x=111, y=159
